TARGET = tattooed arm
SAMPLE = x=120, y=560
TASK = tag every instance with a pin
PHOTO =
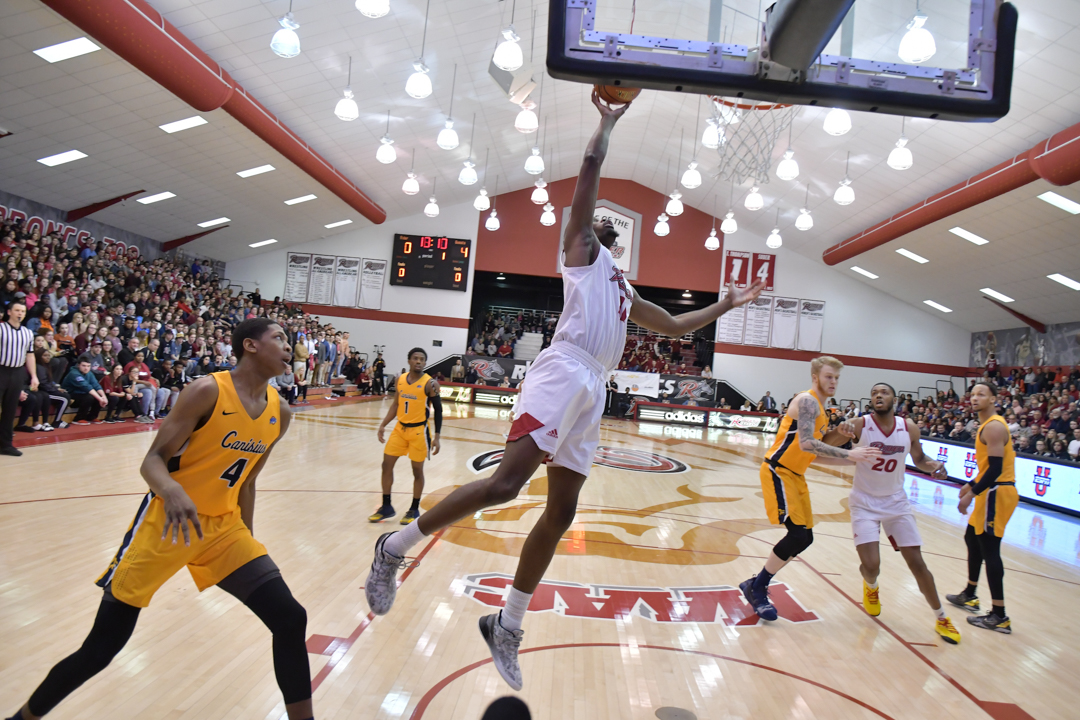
x=808, y=410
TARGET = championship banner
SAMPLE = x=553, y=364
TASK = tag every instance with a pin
x=637, y=383
x=729, y=328
x=372, y=278
x=321, y=286
x=687, y=390
x=811, y=324
x=346, y=281
x=758, y=321
x=785, y=323
x=297, y=274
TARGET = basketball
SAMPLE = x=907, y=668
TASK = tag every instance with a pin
x=616, y=94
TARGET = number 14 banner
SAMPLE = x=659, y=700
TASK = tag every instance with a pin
x=745, y=267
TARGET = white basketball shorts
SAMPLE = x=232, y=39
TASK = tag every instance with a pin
x=560, y=407
x=872, y=513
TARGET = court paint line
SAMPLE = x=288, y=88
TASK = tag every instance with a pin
x=429, y=696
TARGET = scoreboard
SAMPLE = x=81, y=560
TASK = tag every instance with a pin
x=431, y=262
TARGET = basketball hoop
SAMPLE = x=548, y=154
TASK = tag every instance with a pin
x=749, y=130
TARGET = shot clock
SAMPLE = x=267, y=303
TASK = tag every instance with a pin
x=431, y=262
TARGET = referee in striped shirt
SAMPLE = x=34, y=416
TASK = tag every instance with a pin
x=16, y=352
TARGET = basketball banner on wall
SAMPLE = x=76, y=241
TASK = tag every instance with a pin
x=372, y=279
x=811, y=324
x=321, y=285
x=346, y=280
x=297, y=274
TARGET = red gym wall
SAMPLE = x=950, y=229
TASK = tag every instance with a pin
x=523, y=246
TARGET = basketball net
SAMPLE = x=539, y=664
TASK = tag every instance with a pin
x=749, y=130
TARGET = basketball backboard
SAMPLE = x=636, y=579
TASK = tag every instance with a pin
x=848, y=52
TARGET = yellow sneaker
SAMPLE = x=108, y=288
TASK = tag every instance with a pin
x=870, y=601
x=948, y=631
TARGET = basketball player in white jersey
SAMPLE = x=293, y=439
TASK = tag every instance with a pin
x=559, y=410
x=878, y=501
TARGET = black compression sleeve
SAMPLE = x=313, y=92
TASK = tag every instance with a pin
x=436, y=403
x=993, y=472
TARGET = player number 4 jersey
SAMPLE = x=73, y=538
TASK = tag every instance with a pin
x=883, y=476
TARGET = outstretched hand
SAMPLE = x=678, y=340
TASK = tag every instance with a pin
x=741, y=296
x=607, y=110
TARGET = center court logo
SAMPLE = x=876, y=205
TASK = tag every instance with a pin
x=618, y=458
x=1042, y=479
x=716, y=604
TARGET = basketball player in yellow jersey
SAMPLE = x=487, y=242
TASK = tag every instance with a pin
x=201, y=469
x=415, y=389
x=994, y=492
x=800, y=441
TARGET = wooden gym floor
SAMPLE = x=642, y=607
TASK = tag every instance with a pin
x=640, y=610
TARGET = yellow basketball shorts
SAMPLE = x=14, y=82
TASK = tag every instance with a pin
x=144, y=561
x=786, y=495
x=993, y=508
x=411, y=441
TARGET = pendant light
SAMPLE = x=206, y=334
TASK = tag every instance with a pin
x=419, y=83
x=711, y=137
x=286, y=43
x=373, y=8
x=534, y=164
x=492, y=223
x=467, y=176
x=918, y=44
x=900, y=156
x=411, y=186
x=774, y=240
x=547, y=218
x=526, y=121
x=662, y=228
x=448, y=137
x=729, y=226
x=837, y=122
x=804, y=222
x=346, y=108
x=788, y=169
x=692, y=177
x=508, y=54
x=482, y=202
x=386, y=153
x=540, y=194
x=712, y=242
x=845, y=194
x=754, y=201
x=674, y=205
x=432, y=208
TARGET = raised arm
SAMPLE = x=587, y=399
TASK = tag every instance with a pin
x=579, y=239
x=808, y=410
x=652, y=316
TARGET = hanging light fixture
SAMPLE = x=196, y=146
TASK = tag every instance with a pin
x=419, y=83
x=837, y=121
x=662, y=228
x=804, y=222
x=286, y=43
x=448, y=137
x=482, y=202
x=373, y=8
x=754, y=201
x=540, y=194
x=346, y=108
x=774, y=240
x=845, y=194
x=508, y=54
x=788, y=169
x=918, y=44
x=547, y=218
x=411, y=186
x=900, y=156
x=432, y=208
x=712, y=242
x=674, y=205
x=534, y=164
x=729, y=226
x=526, y=121
x=692, y=178
x=386, y=153
x=711, y=137
x=467, y=176
x=492, y=223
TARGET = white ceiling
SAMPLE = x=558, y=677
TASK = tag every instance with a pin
x=100, y=105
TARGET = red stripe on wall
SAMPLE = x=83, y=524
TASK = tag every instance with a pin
x=852, y=360
x=382, y=316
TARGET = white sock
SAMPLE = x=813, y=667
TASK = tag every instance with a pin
x=872, y=586
x=517, y=603
x=940, y=612
x=399, y=543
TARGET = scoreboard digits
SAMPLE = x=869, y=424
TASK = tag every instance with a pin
x=431, y=261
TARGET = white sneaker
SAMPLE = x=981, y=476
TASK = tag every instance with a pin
x=39, y=427
x=63, y=425
x=504, y=646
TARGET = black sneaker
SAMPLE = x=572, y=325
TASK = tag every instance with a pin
x=964, y=600
x=13, y=452
x=410, y=516
x=992, y=621
x=23, y=428
x=386, y=511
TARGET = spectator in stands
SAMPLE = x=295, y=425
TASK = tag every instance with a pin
x=378, y=369
x=1073, y=448
x=457, y=373
x=767, y=402
x=85, y=391
x=1040, y=448
x=491, y=348
x=300, y=356
x=119, y=398
x=1058, y=450
x=707, y=372
x=286, y=384
x=505, y=350
x=58, y=397
x=139, y=389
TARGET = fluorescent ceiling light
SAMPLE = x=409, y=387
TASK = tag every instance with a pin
x=302, y=198
x=969, y=236
x=1067, y=282
x=255, y=171
x=264, y=242
x=996, y=295
x=62, y=158
x=867, y=273
x=66, y=50
x=1061, y=202
x=194, y=121
x=338, y=224
x=212, y=223
x=155, y=198
x=936, y=306
x=912, y=256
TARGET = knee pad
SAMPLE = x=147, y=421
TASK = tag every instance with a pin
x=798, y=538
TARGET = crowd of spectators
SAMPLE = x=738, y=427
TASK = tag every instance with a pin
x=667, y=356
x=502, y=330
x=114, y=333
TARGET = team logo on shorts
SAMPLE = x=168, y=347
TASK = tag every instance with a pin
x=1042, y=479
x=717, y=604
x=487, y=369
x=970, y=465
x=613, y=457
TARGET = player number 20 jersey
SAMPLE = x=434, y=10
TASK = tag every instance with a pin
x=883, y=476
